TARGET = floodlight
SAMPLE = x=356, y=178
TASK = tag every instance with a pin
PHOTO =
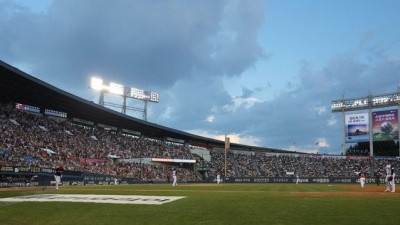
x=154, y=97
x=380, y=100
x=125, y=92
x=137, y=93
x=117, y=89
x=96, y=83
x=146, y=96
x=384, y=100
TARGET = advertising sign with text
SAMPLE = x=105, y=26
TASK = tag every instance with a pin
x=357, y=127
x=385, y=126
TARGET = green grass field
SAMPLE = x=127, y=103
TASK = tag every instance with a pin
x=213, y=204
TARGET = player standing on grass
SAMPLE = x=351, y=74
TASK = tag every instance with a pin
x=393, y=183
x=115, y=180
x=377, y=177
x=58, y=174
x=218, y=178
x=388, y=178
x=361, y=176
x=174, y=178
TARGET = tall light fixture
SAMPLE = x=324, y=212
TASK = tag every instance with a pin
x=125, y=92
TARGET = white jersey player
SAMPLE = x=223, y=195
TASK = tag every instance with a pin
x=58, y=174
x=361, y=176
x=393, y=183
x=388, y=178
x=218, y=178
x=174, y=182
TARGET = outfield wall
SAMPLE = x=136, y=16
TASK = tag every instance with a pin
x=333, y=180
x=19, y=176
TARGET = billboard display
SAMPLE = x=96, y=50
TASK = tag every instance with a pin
x=357, y=127
x=385, y=125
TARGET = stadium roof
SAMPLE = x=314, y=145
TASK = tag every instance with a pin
x=17, y=86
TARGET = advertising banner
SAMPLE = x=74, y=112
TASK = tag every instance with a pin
x=326, y=180
x=173, y=160
x=358, y=157
x=385, y=125
x=96, y=161
x=357, y=127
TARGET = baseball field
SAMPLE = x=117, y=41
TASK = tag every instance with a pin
x=202, y=204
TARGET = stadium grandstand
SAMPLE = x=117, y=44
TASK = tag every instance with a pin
x=42, y=126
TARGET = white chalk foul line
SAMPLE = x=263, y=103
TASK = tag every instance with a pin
x=115, y=199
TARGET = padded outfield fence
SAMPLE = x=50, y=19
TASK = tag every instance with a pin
x=20, y=176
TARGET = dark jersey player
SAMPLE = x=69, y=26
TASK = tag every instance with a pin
x=377, y=178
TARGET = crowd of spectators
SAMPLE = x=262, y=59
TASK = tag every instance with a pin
x=217, y=163
x=37, y=140
x=310, y=166
x=286, y=165
x=290, y=165
x=246, y=165
x=267, y=166
x=333, y=167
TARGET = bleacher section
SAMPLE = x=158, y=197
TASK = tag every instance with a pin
x=34, y=140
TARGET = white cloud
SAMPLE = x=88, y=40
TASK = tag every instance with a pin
x=332, y=121
x=238, y=102
x=323, y=143
x=244, y=140
x=167, y=113
x=234, y=138
x=303, y=149
x=394, y=59
x=214, y=109
x=210, y=119
x=321, y=109
x=313, y=149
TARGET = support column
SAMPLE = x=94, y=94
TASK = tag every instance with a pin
x=101, y=98
x=344, y=134
x=124, y=105
x=370, y=131
x=145, y=111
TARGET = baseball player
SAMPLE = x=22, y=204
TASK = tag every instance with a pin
x=388, y=178
x=115, y=180
x=58, y=174
x=218, y=178
x=377, y=177
x=361, y=176
x=392, y=183
x=297, y=179
x=175, y=183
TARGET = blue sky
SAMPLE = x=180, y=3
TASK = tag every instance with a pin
x=262, y=72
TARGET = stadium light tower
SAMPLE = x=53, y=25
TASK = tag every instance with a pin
x=125, y=92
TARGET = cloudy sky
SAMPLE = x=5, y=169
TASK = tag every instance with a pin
x=262, y=72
